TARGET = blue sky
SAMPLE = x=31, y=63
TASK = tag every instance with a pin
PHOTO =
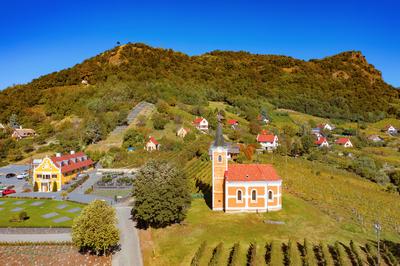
x=39, y=37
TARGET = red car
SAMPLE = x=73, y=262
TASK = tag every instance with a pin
x=8, y=191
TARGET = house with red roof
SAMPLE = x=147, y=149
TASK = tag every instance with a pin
x=233, y=123
x=152, y=144
x=242, y=187
x=267, y=140
x=50, y=174
x=345, y=142
x=322, y=142
x=201, y=123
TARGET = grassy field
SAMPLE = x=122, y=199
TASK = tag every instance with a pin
x=302, y=220
x=35, y=212
x=320, y=203
x=112, y=192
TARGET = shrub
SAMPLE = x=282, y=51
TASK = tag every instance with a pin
x=36, y=187
x=199, y=253
x=216, y=255
x=23, y=216
x=55, y=189
x=233, y=259
x=251, y=255
x=94, y=230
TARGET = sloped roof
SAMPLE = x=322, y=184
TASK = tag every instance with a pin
x=71, y=166
x=342, y=141
x=251, y=172
x=153, y=140
x=232, y=121
x=320, y=141
x=266, y=138
x=198, y=120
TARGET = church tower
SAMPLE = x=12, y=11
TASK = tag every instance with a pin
x=219, y=157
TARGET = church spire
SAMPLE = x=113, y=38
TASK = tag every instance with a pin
x=219, y=138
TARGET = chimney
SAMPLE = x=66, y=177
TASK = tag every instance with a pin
x=58, y=154
x=72, y=152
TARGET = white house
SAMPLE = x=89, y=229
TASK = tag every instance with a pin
x=152, y=144
x=20, y=133
x=233, y=123
x=325, y=127
x=322, y=142
x=391, y=130
x=182, y=132
x=201, y=123
x=268, y=142
x=345, y=142
x=375, y=138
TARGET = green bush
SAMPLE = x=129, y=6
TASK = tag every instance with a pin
x=198, y=255
x=233, y=259
x=216, y=255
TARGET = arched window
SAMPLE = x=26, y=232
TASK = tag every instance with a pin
x=219, y=158
x=239, y=195
x=254, y=195
x=270, y=195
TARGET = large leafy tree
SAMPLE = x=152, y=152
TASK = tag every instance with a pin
x=161, y=193
x=94, y=230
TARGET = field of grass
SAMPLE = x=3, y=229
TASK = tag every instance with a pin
x=301, y=220
x=35, y=212
x=112, y=192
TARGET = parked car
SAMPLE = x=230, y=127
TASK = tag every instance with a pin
x=8, y=192
x=22, y=176
x=9, y=175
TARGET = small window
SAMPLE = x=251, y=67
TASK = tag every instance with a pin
x=239, y=195
x=254, y=195
x=270, y=195
x=219, y=158
x=53, y=176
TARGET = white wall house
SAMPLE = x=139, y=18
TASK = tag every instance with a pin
x=201, y=123
x=268, y=142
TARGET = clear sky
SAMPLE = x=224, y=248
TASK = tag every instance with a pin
x=39, y=37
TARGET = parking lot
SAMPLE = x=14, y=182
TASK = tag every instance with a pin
x=18, y=184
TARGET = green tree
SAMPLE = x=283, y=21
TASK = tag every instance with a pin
x=159, y=121
x=35, y=187
x=13, y=121
x=94, y=230
x=162, y=195
x=307, y=142
x=133, y=138
x=93, y=131
x=254, y=127
x=55, y=188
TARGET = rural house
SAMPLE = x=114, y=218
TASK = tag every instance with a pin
x=375, y=138
x=201, y=124
x=263, y=119
x=322, y=142
x=391, y=130
x=268, y=141
x=21, y=133
x=58, y=170
x=345, y=142
x=233, y=123
x=182, y=132
x=152, y=144
x=325, y=127
x=242, y=187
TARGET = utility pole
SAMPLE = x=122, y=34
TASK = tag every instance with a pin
x=378, y=230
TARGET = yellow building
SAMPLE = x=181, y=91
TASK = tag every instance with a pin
x=51, y=173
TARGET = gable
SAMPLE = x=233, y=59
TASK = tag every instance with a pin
x=47, y=165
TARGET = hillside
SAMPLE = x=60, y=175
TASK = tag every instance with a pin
x=341, y=86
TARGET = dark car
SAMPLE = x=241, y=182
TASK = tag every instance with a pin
x=8, y=191
x=9, y=175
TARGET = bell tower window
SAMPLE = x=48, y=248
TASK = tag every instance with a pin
x=219, y=158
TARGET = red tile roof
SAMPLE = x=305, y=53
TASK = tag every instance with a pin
x=198, y=120
x=320, y=141
x=265, y=138
x=72, y=166
x=342, y=141
x=232, y=121
x=153, y=140
x=251, y=172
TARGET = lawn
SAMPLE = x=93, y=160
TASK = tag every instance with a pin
x=112, y=192
x=176, y=245
x=35, y=213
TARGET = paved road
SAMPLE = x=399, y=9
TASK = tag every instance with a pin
x=132, y=116
x=60, y=237
x=94, y=176
x=130, y=253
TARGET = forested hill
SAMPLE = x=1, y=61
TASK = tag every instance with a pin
x=341, y=86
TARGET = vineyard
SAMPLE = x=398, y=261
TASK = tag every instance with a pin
x=199, y=171
x=295, y=253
